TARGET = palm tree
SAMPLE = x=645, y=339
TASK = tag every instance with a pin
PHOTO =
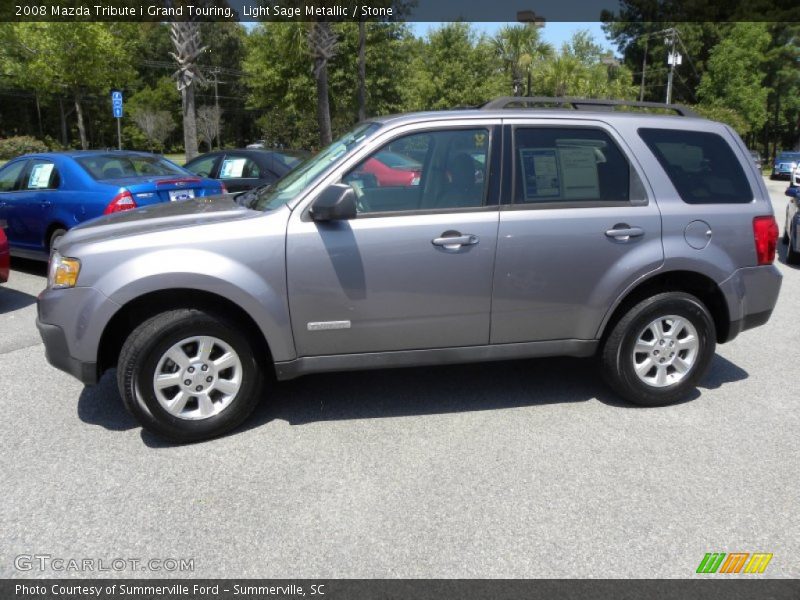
x=186, y=40
x=322, y=43
x=519, y=47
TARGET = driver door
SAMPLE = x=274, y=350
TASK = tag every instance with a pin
x=414, y=270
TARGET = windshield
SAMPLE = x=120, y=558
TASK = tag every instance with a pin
x=275, y=196
x=116, y=166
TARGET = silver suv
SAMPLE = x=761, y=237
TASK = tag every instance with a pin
x=498, y=233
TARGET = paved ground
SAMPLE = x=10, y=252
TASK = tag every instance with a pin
x=519, y=469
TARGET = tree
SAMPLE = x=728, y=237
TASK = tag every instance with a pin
x=156, y=125
x=209, y=123
x=322, y=42
x=79, y=59
x=186, y=40
x=454, y=67
x=519, y=47
x=362, y=70
x=734, y=75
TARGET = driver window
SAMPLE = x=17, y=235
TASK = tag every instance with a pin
x=434, y=170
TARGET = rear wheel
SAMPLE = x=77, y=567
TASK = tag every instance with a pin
x=659, y=349
x=188, y=375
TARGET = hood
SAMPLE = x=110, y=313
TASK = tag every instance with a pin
x=160, y=217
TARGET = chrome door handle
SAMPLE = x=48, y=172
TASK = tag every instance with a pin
x=623, y=232
x=456, y=241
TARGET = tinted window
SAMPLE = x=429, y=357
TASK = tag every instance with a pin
x=9, y=175
x=435, y=170
x=701, y=166
x=42, y=175
x=569, y=165
x=114, y=166
x=202, y=166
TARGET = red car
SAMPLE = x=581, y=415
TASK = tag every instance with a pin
x=393, y=170
x=4, y=255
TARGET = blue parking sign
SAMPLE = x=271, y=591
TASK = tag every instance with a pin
x=116, y=103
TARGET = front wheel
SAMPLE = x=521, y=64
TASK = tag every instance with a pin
x=661, y=347
x=188, y=375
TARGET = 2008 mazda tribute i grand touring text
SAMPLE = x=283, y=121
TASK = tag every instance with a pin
x=643, y=239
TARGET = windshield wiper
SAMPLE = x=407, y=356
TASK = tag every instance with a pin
x=248, y=198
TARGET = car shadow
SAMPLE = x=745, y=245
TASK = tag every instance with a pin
x=410, y=392
x=782, y=251
x=29, y=266
x=11, y=300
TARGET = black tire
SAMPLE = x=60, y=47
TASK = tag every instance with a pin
x=54, y=237
x=792, y=257
x=617, y=352
x=142, y=352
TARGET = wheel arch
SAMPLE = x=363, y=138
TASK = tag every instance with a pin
x=137, y=310
x=691, y=282
x=51, y=228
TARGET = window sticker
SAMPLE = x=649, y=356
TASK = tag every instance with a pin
x=579, y=169
x=40, y=176
x=540, y=173
x=232, y=168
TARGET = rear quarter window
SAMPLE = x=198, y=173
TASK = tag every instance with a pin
x=701, y=165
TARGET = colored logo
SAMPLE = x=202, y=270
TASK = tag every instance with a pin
x=735, y=562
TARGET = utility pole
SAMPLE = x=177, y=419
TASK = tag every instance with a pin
x=644, y=68
x=673, y=58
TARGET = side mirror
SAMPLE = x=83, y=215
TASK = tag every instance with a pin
x=791, y=191
x=337, y=202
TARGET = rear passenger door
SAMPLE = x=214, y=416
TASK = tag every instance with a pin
x=577, y=228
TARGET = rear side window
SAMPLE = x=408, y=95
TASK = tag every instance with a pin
x=701, y=166
x=570, y=165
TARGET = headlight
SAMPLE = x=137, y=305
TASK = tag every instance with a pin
x=63, y=272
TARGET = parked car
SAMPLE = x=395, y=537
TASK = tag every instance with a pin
x=791, y=226
x=641, y=239
x=257, y=145
x=242, y=170
x=5, y=256
x=393, y=169
x=42, y=196
x=785, y=163
x=756, y=158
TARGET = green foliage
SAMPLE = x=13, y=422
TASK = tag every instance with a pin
x=578, y=70
x=723, y=114
x=18, y=145
x=282, y=88
x=734, y=75
x=454, y=67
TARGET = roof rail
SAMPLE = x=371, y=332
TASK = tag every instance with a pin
x=581, y=104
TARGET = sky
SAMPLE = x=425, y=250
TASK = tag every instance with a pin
x=556, y=32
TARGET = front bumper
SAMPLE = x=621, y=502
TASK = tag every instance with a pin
x=57, y=353
x=751, y=294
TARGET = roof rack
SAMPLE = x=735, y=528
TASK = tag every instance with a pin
x=581, y=104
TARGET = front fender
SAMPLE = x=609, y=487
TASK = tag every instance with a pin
x=263, y=297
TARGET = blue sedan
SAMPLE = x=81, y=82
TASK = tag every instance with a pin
x=44, y=195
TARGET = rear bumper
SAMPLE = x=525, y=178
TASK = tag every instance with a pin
x=751, y=294
x=57, y=354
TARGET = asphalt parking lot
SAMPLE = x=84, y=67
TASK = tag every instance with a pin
x=516, y=469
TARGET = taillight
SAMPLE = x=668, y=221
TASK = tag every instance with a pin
x=122, y=201
x=765, y=235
